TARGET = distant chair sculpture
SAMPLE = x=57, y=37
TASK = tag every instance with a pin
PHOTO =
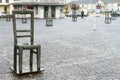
x=49, y=20
x=114, y=15
x=107, y=17
x=8, y=17
x=24, y=19
x=74, y=16
x=18, y=49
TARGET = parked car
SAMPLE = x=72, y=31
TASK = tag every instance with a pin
x=115, y=13
x=4, y=14
x=69, y=14
x=78, y=13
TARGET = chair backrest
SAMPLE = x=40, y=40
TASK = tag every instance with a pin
x=17, y=31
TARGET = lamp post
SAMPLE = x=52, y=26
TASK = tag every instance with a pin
x=94, y=24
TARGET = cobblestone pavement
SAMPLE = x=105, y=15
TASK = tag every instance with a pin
x=70, y=50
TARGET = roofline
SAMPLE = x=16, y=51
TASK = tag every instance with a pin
x=37, y=3
x=4, y=4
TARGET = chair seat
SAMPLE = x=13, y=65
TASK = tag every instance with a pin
x=28, y=46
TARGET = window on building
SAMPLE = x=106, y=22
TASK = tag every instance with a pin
x=61, y=9
x=7, y=1
x=29, y=7
x=119, y=5
x=5, y=9
x=16, y=7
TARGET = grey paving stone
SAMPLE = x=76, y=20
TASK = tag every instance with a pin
x=70, y=50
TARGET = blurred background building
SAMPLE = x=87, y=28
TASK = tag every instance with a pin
x=5, y=5
x=57, y=8
x=41, y=7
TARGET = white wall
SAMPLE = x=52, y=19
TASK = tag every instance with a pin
x=17, y=0
x=68, y=1
x=11, y=1
x=57, y=12
x=112, y=6
x=41, y=11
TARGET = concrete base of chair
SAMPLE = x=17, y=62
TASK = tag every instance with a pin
x=49, y=22
x=26, y=71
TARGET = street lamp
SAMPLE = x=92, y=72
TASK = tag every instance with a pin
x=94, y=24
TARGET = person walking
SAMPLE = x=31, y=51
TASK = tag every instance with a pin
x=82, y=14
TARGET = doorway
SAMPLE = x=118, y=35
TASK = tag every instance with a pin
x=5, y=9
x=46, y=11
x=53, y=11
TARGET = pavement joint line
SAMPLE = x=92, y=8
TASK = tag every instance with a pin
x=71, y=64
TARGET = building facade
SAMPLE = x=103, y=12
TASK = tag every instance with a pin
x=41, y=8
x=91, y=5
x=5, y=5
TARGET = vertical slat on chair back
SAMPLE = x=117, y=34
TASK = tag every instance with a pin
x=31, y=31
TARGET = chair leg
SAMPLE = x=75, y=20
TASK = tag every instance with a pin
x=15, y=59
x=31, y=60
x=15, y=62
x=20, y=59
x=38, y=58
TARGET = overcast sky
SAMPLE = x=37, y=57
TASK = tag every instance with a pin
x=91, y=1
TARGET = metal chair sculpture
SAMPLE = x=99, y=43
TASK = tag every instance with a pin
x=107, y=17
x=18, y=49
x=114, y=15
x=49, y=20
x=24, y=19
x=8, y=17
x=74, y=16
